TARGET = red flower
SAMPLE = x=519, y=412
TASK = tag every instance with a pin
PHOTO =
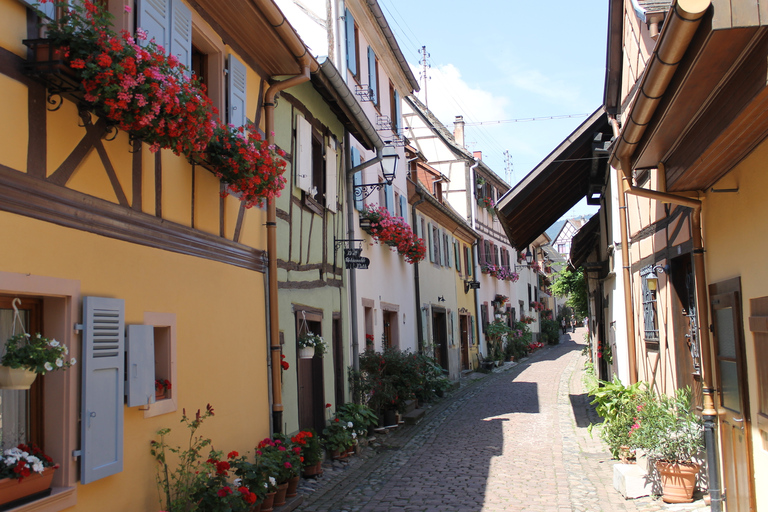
x=327, y=406
x=224, y=491
x=232, y=455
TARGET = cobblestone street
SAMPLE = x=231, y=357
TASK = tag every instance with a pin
x=515, y=439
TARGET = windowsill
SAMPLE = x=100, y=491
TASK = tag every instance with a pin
x=160, y=407
x=313, y=205
x=61, y=498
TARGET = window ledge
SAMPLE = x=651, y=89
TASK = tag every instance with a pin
x=61, y=498
x=313, y=205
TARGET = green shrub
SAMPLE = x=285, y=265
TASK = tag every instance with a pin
x=550, y=332
x=617, y=405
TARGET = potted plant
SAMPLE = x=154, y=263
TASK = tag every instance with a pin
x=311, y=452
x=26, y=356
x=617, y=405
x=339, y=436
x=672, y=435
x=162, y=386
x=393, y=231
x=277, y=460
x=310, y=345
x=24, y=471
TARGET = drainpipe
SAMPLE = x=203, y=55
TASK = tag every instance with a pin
x=419, y=325
x=281, y=26
x=475, y=264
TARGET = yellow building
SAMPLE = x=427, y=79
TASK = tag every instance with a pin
x=99, y=232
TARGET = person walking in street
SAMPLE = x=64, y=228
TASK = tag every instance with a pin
x=562, y=324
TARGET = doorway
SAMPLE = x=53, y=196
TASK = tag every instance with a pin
x=389, y=337
x=464, y=337
x=311, y=399
x=733, y=398
x=440, y=337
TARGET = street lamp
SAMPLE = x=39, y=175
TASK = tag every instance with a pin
x=528, y=260
x=389, y=159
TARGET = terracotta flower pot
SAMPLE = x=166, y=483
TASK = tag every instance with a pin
x=293, y=487
x=339, y=455
x=282, y=490
x=36, y=483
x=310, y=471
x=16, y=378
x=677, y=481
x=268, y=503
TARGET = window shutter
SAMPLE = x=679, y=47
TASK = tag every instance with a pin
x=398, y=115
x=181, y=34
x=103, y=367
x=451, y=336
x=154, y=17
x=358, y=177
x=431, y=241
x=331, y=196
x=303, y=154
x=425, y=326
x=140, y=358
x=389, y=199
x=236, y=85
x=471, y=330
x=404, y=208
x=49, y=10
x=484, y=315
x=481, y=248
x=373, y=80
x=349, y=23
x=457, y=255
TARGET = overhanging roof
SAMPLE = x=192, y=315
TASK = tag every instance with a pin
x=583, y=242
x=551, y=189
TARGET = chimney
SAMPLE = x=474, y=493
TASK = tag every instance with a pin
x=478, y=154
x=458, y=130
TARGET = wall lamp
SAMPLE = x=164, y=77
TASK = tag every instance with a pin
x=389, y=158
x=651, y=278
x=528, y=260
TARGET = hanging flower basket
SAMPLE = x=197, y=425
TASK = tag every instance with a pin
x=306, y=352
x=16, y=378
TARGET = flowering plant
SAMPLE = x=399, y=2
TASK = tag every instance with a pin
x=394, y=231
x=36, y=353
x=486, y=203
x=500, y=272
x=369, y=340
x=310, y=339
x=278, y=459
x=162, y=385
x=23, y=460
x=527, y=319
x=215, y=492
x=339, y=435
x=537, y=306
x=309, y=446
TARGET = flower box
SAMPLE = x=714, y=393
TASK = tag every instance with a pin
x=14, y=493
x=47, y=66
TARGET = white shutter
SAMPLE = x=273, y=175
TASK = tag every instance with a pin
x=425, y=326
x=236, y=92
x=181, y=33
x=103, y=367
x=303, y=154
x=358, y=176
x=154, y=16
x=349, y=24
x=140, y=361
x=331, y=173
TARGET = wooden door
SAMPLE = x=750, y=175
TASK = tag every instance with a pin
x=440, y=337
x=733, y=399
x=338, y=362
x=464, y=334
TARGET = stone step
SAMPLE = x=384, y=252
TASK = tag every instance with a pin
x=413, y=417
x=410, y=405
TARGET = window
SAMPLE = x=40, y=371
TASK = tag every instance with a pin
x=373, y=76
x=446, y=252
x=436, y=244
x=457, y=255
x=353, y=55
x=650, y=322
x=164, y=331
x=468, y=261
x=488, y=253
x=394, y=109
x=310, y=167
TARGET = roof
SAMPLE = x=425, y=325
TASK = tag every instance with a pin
x=555, y=229
x=560, y=181
x=583, y=242
x=373, y=5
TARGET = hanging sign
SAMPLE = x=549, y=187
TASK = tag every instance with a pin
x=353, y=259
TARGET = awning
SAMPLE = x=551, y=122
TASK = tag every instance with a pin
x=575, y=168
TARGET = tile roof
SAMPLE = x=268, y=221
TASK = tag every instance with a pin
x=652, y=6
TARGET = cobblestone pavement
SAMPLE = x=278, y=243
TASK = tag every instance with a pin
x=512, y=440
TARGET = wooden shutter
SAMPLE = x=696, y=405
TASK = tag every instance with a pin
x=331, y=196
x=103, y=367
x=358, y=177
x=181, y=33
x=154, y=17
x=349, y=23
x=236, y=92
x=404, y=208
x=373, y=80
x=140, y=361
x=389, y=199
x=484, y=315
x=398, y=114
x=481, y=248
x=431, y=242
x=471, y=330
x=303, y=154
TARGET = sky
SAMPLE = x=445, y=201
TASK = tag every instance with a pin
x=504, y=60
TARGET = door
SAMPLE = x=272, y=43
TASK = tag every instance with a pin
x=338, y=362
x=464, y=336
x=733, y=399
x=311, y=396
x=440, y=337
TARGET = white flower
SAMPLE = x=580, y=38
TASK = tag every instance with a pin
x=73, y=361
x=237, y=482
x=272, y=481
x=54, y=343
x=354, y=435
x=66, y=350
x=48, y=366
x=59, y=362
x=350, y=424
x=38, y=467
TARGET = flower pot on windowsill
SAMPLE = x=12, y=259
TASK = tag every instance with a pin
x=16, y=378
x=306, y=352
x=35, y=486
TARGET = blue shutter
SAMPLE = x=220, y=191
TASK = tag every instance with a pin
x=349, y=23
x=389, y=199
x=140, y=361
x=358, y=177
x=181, y=33
x=430, y=242
x=404, y=208
x=154, y=17
x=373, y=80
x=398, y=115
x=236, y=92
x=103, y=367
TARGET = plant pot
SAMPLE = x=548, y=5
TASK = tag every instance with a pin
x=293, y=486
x=315, y=470
x=159, y=394
x=389, y=417
x=306, y=352
x=282, y=490
x=16, y=378
x=339, y=454
x=33, y=487
x=268, y=503
x=677, y=481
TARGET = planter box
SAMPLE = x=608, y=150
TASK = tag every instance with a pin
x=48, y=67
x=14, y=493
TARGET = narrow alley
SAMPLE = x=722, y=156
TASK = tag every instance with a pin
x=514, y=440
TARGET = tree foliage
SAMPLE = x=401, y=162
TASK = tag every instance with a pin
x=573, y=285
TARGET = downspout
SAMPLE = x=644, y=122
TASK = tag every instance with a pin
x=475, y=264
x=280, y=24
x=419, y=324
